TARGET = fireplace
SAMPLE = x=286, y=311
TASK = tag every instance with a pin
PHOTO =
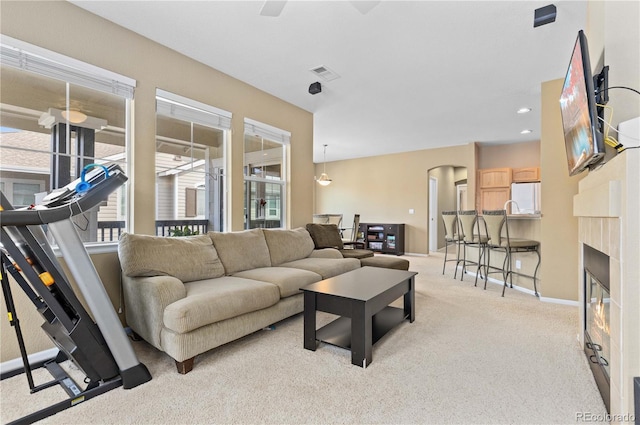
x=607, y=206
x=597, y=339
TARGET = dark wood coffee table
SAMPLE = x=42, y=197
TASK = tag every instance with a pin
x=361, y=297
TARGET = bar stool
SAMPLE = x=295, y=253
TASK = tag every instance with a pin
x=467, y=226
x=451, y=235
x=495, y=220
x=493, y=224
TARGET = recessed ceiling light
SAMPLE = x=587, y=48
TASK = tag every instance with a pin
x=526, y=131
x=524, y=110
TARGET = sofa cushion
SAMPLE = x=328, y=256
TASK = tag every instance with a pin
x=212, y=300
x=288, y=280
x=356, y=253
x=325, y=235
x=240, y=251
x=186, y=258
x=326, y=253
x=385, y=262
x=288, y=245
x=325, y=267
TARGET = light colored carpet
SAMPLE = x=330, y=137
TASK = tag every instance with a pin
x=471, y=356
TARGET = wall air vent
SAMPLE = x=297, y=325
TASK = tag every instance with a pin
x=325, y=73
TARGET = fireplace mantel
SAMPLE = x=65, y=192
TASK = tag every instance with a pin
x=608, y=198
x=608, y=210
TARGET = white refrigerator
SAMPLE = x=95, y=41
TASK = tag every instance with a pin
x=526, y=198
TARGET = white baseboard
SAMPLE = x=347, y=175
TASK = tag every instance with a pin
x=15, y=364
x=560, y=301
x=516, y=287
x=528, y=291
x=501, y=283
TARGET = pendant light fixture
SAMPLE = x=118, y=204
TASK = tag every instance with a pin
x=324, y=179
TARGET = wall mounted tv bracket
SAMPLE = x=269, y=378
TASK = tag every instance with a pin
x=601, y=89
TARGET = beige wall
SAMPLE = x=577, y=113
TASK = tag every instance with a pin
x=622, y=54
x=446, y=177
x=64, y=28
x=614, y=40
x=513, y=155
x=384, y=188
x=559, y=232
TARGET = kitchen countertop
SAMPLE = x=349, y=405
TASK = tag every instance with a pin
x=524, y=216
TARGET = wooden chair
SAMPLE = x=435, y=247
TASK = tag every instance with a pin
x=353, y=236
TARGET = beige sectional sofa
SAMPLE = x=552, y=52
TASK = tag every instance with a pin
x=188, y=295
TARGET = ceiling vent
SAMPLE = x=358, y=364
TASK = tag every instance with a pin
x=325, y=73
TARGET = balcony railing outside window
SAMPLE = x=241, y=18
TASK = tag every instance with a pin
x=110, y=231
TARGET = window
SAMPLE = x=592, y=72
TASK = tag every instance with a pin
x=22, y=192
x=265, y=175
x=190, y=164
x=25, y=193
x=59, y=115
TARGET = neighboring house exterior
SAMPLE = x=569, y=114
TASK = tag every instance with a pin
x=25, y=171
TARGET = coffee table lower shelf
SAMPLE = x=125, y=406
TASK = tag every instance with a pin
x=338, y=332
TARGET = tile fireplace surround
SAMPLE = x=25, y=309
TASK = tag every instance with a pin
x=608, y=209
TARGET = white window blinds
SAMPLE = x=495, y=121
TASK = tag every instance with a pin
x=266, y=131
x=185, y=109
x=27, y=57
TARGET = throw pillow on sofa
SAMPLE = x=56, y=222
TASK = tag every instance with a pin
x=186, y=258
x=325, y=235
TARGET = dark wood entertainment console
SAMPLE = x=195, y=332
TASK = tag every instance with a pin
x=383, y=238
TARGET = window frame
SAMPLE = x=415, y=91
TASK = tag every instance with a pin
x=34, y=60
x=216, y=199
x=272, y=135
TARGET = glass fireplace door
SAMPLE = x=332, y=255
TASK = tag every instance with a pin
x=597, y=321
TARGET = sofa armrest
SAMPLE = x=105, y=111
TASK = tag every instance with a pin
x=326, y=253
x=145, y=299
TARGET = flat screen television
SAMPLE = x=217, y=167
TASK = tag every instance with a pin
x=583, y=138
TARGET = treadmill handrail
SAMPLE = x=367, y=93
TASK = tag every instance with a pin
x=44, y=215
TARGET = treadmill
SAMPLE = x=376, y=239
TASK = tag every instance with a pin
x=100, y=349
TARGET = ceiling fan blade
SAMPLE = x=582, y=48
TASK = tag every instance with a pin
x=364, y=6
x=272, y=7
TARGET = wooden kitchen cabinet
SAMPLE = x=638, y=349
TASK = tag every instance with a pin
x=494, y=199
x=494, y=188
x=494, y=177
x=527, y=174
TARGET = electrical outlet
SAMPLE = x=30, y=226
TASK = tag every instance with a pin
x=412, y=211
x=518, y=264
